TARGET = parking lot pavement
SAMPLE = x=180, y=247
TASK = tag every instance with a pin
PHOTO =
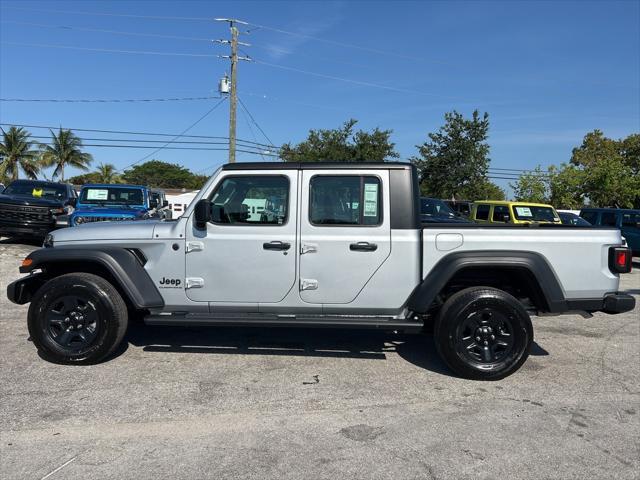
x=187, y=403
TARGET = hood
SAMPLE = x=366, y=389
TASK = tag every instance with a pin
x=134, y=212
x=443, y=219
x=27, y=200
x=134, y=230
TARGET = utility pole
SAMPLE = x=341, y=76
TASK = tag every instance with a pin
x=233, y=94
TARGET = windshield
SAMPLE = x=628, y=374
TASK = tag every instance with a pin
x=112, y=196
x=535, y=214
x=435, y=207
x=37, y=190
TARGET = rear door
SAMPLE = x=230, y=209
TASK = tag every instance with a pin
x=345, y=233
x=245, y=257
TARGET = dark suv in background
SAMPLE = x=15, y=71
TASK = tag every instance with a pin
x=627, y=220
x=29, y=208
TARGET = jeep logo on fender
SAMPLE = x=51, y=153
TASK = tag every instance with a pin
x=170, y=282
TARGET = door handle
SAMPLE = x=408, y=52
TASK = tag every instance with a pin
x=276, y=245
x=363, y=247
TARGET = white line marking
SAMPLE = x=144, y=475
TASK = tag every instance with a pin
x=59, y=468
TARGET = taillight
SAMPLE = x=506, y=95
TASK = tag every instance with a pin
x=620, y=259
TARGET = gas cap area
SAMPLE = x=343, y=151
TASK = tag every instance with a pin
x=449, y=241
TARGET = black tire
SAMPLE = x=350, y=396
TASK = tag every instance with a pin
x=483, y=333
x=77, y=319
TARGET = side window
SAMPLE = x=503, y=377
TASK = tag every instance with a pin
x=482, y=212
x=345, y=200
x=500, y=213
x=631, y=220
x=233, y=201
x=609, y=219
x=591, y=217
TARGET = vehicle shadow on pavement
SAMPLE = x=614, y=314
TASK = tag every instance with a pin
x=323, y=343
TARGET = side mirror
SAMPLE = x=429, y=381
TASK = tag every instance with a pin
x=153, y=203
x=165, y=203
x=202, y=214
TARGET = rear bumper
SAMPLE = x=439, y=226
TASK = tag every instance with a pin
x=618, y=303
x=611, y=303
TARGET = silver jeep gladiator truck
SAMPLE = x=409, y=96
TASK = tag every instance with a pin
x=318, y=244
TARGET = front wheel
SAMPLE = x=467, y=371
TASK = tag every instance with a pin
x=77, y=318
x=483, y=333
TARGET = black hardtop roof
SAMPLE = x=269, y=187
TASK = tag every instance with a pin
x=610, y=209
x=316, y=165
x=38, y=182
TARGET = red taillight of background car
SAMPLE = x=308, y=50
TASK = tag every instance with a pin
x=620, y=259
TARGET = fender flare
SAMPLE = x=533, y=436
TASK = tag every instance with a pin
x=123, y=265
x=424, y=294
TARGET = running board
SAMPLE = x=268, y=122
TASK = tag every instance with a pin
x=265, y=320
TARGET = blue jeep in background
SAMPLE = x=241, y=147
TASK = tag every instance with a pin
x=111, y=203
x=626, y=219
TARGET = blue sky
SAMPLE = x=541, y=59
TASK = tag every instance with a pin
x=547, y=72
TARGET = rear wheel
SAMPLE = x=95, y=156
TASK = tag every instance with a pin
x=483, y=333
x=77, y=318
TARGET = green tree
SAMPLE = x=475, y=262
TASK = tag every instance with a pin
x=566, y=186
x=65, y=150
x=485, y=190
x=342, y=145
x=156, y=173
x=107, y=173
x=92, y=177
x=17, y=153
x=609, y=169
x=532, y=186
x=455, y=159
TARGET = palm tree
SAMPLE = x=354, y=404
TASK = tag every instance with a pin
x=16, y=153
x=65, y=149
x=107, y=173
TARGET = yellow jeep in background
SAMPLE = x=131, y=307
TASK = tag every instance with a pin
x=493, y=211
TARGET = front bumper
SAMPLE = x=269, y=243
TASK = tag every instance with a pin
x=22, y=290
x=8, y=230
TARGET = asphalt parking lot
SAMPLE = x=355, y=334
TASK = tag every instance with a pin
x=186, y=403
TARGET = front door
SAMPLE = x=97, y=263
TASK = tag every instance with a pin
x=248, y=252
x=345, y=233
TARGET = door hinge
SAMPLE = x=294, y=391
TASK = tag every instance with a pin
x=308, y=248
x=194, y=282
x=308, y=284
x=194, y=247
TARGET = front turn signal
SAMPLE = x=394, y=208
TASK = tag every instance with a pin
x=26, y=262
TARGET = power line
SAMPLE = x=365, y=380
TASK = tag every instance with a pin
x=105, y=100
x=125, y=132
x=273, y=65
x=340, y=44
x=179, y=135
x=109, y=50
x=102, y=30
x=206, y=149
x=257, y=26
x=135, y=140
x=105, y=14
x=355, y=82
x=246, y=119
x=254, y=121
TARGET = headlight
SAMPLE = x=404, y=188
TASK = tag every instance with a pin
x=79, y=220
x=48, y=241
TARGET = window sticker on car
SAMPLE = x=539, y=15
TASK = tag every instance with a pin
x=524, y=212
x=97, y=194
x=36, y=192
x=371, y=200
